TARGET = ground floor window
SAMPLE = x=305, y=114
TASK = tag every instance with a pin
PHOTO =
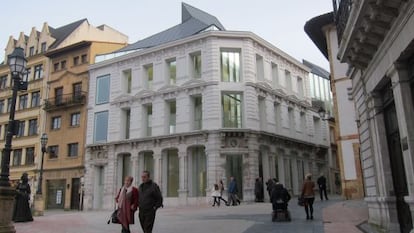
x=198, y=174
x=172, y=173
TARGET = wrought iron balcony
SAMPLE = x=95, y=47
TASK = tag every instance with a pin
x=65, y=101
x=342, y=8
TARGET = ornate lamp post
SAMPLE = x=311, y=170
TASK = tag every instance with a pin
x=17, y=63
x=43, y=142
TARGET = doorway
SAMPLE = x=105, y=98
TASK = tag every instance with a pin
x=75, y=194
x=234, y=167
x=56, y=194
x=396, y=160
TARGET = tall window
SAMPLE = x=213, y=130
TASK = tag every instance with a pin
x=198, y=113
x=172, y=117
x=275, y=75
x=58, y=95
x=73, y=149
x=77, y=91
x=3, y=82
x=288, y=79
x=56, y=122
x=84, y=58
x=230, y=66
x=300, y=87
x=17, y=157
x=31, y=51
x=172, y=173
x=1, y=106
x=196, y=64
x=172, y=71
x=32, y=127
x=29, y=156
x=148, y=118
x=149, y=76
x=23, y=102
x=38, y=72
x=63, y=64
x=56, y=66
x=303, y=122
x=127, y=122
x=76, y=60
x=278, y=115
x=26, y=74
x=20, y=129
x=102, y=89
x=291, y=118
x=75, y=119
x=259, y=67
x=127, y=81
x=53, y=151
x=35, y=99
x=232, y=110
x=9, y=100
x=101, y=126
x=262, y=113
x=199, y=172
x=43, y=47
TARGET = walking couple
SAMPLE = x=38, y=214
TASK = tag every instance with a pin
x=147, y=198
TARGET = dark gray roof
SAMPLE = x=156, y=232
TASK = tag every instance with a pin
x=61, y=33
x=193, y=21
x=315, y=69
x=314, y=30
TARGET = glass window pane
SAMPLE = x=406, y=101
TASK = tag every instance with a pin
x=101, y=126
x=103, y=86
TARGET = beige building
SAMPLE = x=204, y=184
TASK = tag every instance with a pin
x=58, y=60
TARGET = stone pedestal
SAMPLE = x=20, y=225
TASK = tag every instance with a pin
x=39, y=205
x=7, y=195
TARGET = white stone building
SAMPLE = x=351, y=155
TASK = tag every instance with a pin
x=198, y=106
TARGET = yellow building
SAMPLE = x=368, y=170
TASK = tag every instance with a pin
x=57, y=76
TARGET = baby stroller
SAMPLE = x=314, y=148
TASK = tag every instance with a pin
x=280, y=198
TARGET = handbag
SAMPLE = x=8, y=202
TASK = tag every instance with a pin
x=301, y=201
x=114, y=217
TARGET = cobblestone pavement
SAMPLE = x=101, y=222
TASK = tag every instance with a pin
x=246, y=218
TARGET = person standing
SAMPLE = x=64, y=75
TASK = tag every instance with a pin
x=22, y=212
x=258, y=190
x=308, y=194
x=233, y=192
x=127, y=200
x=322, y=186
x=221, y=189
x=150, y=199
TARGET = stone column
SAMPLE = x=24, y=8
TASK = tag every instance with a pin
x=403, y=98
x=183, y=170
x=281, y=169
x=135, y=171
x=267, y=163
x=157, y=176
x=295, y=176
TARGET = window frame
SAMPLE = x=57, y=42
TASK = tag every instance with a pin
x=58, y=123
x=98, y=89
x=237, y=74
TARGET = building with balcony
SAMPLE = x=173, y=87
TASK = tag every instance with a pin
x=374, y=40
x=195, y=104
x=76, y=45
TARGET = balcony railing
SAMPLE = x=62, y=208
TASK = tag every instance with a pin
x=65, y=101
x=342, y=8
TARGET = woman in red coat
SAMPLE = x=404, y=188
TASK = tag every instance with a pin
x=127, y=200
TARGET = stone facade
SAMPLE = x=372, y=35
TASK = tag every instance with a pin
x=280, y=135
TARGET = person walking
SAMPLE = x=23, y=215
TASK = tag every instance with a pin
x=322, y=186
x=221, y=189
x=150, y=199
x=308, y=194
x=233, y=198
x=127, y=200
x=215, y=193
x=22, y=212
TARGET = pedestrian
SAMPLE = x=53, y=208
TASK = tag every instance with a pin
x=258, y=190
x=233, y=198
x=322, y=186
x=22, y=212
x=150, y=199
x=127, y=200
x=215, y=193
x=308, y=194
x=221, y=189
x=270, y=184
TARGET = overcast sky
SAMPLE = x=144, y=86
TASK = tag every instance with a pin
x=279, y=22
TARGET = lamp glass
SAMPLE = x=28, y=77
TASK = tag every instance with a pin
x=43, y=140
x=321, y=112
x=17, y=62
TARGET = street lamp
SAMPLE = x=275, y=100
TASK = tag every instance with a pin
x=17, y=63
x=43, y=142
x=322, y=114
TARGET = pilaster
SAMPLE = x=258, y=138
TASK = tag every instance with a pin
x=183, y=180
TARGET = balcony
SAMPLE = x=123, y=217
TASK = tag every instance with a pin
x=362, y=27
x=65, y=101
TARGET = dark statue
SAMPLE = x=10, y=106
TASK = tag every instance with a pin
x=22, y=212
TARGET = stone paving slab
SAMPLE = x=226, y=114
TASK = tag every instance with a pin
x=246, y=218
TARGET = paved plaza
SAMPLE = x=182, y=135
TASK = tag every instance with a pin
x=330, y=216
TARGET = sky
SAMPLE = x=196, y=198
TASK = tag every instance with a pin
x=278, y=22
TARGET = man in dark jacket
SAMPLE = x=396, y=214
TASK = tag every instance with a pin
x=258, y=190
x=233, y=198
x=279, y=197
x=322, y=186
x=150, y=199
